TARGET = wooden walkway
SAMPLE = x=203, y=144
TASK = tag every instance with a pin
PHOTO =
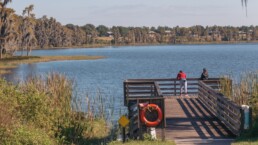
x=198, y=119
x=190, y=122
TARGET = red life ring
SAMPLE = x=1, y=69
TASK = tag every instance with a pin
x=147, y=122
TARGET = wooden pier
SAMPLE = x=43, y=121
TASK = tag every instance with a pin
x=188, y=120
x=204, y=117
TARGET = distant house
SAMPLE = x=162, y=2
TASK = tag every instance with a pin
x=250, y=35
x=242, y=35
x=110, y=34
x=167, y=31
x=152, y=34
x=195, y=35
x=250, y=31
x=216, y=36
x=210, y=32
x=89, y=36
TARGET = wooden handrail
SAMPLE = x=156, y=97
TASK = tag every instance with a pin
x=167, y=79
x=157, y=89
x=224, y=109
x=165, y=87
x=136, y=92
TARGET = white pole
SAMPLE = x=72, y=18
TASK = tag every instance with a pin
x=246, y=116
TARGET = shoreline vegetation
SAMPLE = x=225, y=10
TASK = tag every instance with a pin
x=8, y=63
x=41, y=110
x=244, y=92
x=147, y=44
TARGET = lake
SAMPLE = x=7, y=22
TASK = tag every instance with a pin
x=106, y=76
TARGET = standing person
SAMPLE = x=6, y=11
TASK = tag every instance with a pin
x=205, y=74
x=183, y=83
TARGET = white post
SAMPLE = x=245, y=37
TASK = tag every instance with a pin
x=246, y=116
x=153, y=133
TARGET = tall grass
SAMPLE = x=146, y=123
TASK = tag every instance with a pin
x=244, y=92
x=226, y=86
x=39, y=111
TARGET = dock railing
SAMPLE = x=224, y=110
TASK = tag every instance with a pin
x=137, y=92
x=135, y=88
x=224, y=109
x=156, y=90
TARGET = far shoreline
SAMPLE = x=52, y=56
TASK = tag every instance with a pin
x=148, y=44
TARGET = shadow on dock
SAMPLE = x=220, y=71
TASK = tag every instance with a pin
x=189, y=121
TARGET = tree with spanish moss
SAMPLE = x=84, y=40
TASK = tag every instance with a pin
x=6, y=25
x=28, y=30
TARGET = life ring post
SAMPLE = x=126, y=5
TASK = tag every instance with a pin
x=147, y=122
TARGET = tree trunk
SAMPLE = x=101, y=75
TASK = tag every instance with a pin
x=1, y=55
x=1, y=48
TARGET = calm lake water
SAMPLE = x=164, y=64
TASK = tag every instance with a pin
x=107, y=75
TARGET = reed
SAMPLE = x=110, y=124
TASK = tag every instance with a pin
x=226, y=86
x=40, y=111
x=245, y=91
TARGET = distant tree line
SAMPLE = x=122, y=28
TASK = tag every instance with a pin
x=27, y=32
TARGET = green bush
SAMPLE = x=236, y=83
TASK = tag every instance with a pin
x=39, y=111
x=29, y=136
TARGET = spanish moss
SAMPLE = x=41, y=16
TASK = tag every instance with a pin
x=244, y=4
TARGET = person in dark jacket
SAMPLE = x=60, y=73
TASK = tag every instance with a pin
x=183, y=83
x=205, y=74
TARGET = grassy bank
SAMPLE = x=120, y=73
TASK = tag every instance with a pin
x=245, y=92
x=6, y=64
x=39, y=111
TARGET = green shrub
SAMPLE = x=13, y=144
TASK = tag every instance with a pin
x=38, y=111
x=82, y=131
x=29, y=136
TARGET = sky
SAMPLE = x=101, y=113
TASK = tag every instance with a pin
x=149, y=13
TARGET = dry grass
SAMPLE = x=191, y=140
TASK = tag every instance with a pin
x=94, y=45
x=105, y=38
x=13, y=62
x=5, y=71
x=243, y=92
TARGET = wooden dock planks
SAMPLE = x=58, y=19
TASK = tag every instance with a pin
x=187, y=118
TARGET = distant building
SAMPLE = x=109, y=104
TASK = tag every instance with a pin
x=110, y=34
x=152, y=34
x=168, y=31
x=242, y=35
